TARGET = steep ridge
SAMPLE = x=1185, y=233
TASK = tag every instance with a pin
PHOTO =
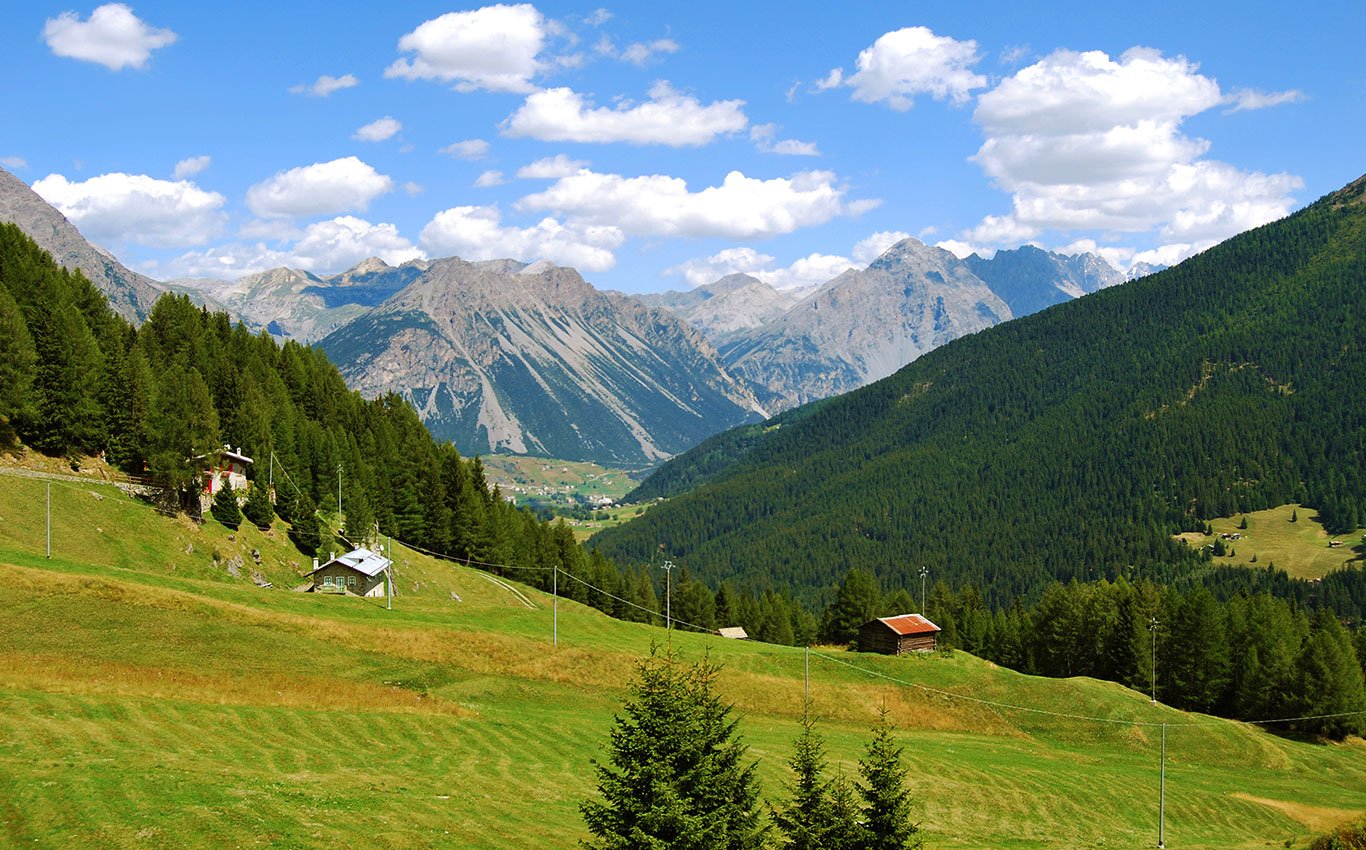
x=130, y=294
x=534, y=360
x=864, y=325
x=731, y=305
x=1073, y=442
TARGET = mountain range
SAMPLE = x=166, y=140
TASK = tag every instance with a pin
x=501, y=356
x=1071, y=443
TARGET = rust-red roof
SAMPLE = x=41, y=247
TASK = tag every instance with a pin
x=909, y=624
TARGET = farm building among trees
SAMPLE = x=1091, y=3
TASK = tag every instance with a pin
x=359, y=571
x=897, y=635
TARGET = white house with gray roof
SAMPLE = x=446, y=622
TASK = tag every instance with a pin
x=359, y=571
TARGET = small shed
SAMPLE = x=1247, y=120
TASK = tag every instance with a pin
x=359, y=571
x=732, y=632
x=897, y=635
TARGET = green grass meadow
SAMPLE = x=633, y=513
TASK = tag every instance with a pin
x=148, y=698
x=1300, y=547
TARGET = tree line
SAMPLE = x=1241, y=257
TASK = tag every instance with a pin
x=1251, y=656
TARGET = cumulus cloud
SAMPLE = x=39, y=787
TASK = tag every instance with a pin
x=908, y=62
x=551, y=168
x=658, y=205
x=640, y=53
x=191, y=166
x=324, y=247
x=961, y=250
x=805, y=272
x=1240, y=100
x=321, y=188
x=876, y=244
x=489, y=179
x=468, y=149
x=378, y=130
x=764, y=137
x=1086, y=142
x=598, y=18
x=493, y=48
x=326, y=85
x=667, y=118
x=477, y=233
x=113, y=37
x=136, y=208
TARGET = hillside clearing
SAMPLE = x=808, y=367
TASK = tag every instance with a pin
x=1301, y=548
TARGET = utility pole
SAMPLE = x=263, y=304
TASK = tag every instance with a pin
x=1162, y=795
x=49, y=519
x=924, y=574
x=555, y=595
x=806, y=692
x=668, y=594
x=339, y=471
x=1152, y=627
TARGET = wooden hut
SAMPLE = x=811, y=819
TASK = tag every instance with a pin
x=899, y=634
x=732, y=632
x=359, y=571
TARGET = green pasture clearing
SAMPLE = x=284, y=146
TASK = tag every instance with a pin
x=522, y=477
x=149, y=699
x=1300, y=548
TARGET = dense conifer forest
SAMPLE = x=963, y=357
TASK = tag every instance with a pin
x=1071, y=444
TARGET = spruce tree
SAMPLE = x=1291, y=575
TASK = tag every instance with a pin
x=307, y=532
x=820, y=814
x=17, y=358
x=1330, y=681
x=857, y=602
x=258, y=510
x=225, y=508
x=675, y=776
x=886, y=802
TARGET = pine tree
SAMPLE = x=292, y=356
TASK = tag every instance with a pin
x=675, y=775
x=820, y=814
x=307, y=532
x=225, y=508
x=886, y=802
x=17, y=358
x=1330, y=681
x=258, y=510
x=857, y=602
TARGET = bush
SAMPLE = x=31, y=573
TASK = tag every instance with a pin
x=1348, y=836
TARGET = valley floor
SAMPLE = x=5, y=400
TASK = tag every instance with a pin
x=148, y=698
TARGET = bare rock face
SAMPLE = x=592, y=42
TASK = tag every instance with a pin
x=864, y=325
x=1030, y=279
x=130, y=294
x=500, y=356
x=730, y=306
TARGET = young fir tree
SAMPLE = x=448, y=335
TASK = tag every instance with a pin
x=307, y=532
x=258, y=509
x=820, y=814
x=225, y=508
x=886, y=802
x=675, y=775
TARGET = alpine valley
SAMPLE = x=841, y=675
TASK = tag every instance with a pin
x=502, y=356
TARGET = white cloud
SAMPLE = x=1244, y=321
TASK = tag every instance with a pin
x=876, y=244
x=412, y=188
x=136, y=208
x=961, y=250
x=326, y=85
x=322, y=188
x=378, y=130
x=551, y=168
x=640, y=53
x=1241, y=100
x=908, y=62
x=1085, y=142
x=113, y=37
x=657, y=205
x=489, y=179
x=191, y=166
x=762, y=135
x=598, y=18
x=493, y=48
x=13, y=162
x=811, y=270
x=324, y=247
x=476, y=233
x=667, y=118
x=1014, y=55
x=468, y=149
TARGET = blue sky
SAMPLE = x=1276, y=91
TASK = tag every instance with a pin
x=657, y=146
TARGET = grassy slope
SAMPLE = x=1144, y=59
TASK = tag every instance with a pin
x=1300, y=548
x=148, y=706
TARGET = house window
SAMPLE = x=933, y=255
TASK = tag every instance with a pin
x=351, y=581
x=327, y=581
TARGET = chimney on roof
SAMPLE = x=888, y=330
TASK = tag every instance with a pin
x=315, y=563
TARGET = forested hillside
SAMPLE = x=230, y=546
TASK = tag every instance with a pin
x=1071, y=443
x=77, y=379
